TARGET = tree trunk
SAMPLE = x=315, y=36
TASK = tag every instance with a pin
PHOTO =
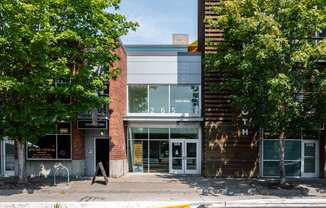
x=282, y=157
x=21, y=160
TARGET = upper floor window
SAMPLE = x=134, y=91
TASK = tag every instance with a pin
x=185, y=99
x=138, y=98
x=164, y=99
x=158, y=98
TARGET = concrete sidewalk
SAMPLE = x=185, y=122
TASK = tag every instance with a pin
x=163, y=187
x=258, y=203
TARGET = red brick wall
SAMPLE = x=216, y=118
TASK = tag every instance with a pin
x=117, y=109
x=78, y=143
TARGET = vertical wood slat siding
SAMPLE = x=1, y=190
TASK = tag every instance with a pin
x=225, y=151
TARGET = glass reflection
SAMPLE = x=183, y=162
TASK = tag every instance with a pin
x=158, y=99
x=184, y=99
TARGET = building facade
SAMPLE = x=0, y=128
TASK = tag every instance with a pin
x=81, y=144
x=164, y=118
x=231, y=148
x=164, y=109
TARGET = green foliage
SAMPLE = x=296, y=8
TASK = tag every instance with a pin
x=48, y=56
x=57, y=205
x=273, y=58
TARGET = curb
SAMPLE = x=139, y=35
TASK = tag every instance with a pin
x=275, y=203
x=258, y=203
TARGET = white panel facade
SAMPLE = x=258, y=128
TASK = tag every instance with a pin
x=177, y=69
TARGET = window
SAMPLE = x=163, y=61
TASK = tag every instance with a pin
x=158, y=134
x=159, y=99
x=184, y=133
x=163, y=99
x=271, y=157
x=138, y=149
x=55, y=146
x=138, y=98
x=158, y=150
x=185, y=99
x=148, y=148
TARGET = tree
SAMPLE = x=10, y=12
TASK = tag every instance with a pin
x=273, y=62
x=55, y=56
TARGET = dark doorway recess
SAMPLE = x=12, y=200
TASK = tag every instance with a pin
x=102, y=154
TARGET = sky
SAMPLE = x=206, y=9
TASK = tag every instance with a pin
x=159, y=19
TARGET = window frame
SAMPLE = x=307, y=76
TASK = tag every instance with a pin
x=274, y=160
x=148, y=140
x=169, y=113
x=127, y=98
x=56, y=134
x=150, y=103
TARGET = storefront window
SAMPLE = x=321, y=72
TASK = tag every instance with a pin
x=292, y=157
x=148, y=148
x=138, y=149
x=52, y=146
x=138, y=98
x=44, y=148
x=184, y=133
x=158, y=134
x=159, y=156
x=64, y=147
x=158, y=150
x=158, y=99
x=184, y=99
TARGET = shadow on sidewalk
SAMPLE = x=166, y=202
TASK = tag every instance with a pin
x=10, y=186
x=253, y=186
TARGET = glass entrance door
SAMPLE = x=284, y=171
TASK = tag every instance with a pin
x=9, y=157
x=184, y=156
x=310, y=158
x=177, y=164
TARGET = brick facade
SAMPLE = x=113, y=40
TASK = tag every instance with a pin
x=117, y=110
x=226, y=151
x=78, y=143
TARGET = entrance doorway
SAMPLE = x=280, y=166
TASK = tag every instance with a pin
x=310, y=158
x=164, y=150
x=102, y=153
x=184, y=156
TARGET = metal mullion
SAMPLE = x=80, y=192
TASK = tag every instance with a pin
x=148, y=99
x=169, y=98
x=184, y=156
x=170, y=143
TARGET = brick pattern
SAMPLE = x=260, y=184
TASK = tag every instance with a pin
x=225, y=151
x=78, y=143
x=117, y=109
